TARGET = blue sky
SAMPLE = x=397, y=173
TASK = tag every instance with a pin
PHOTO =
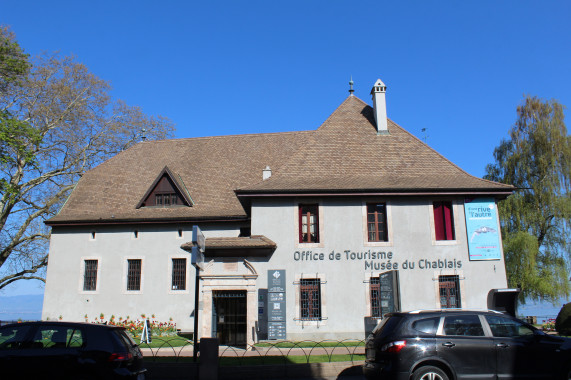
x=457, y=68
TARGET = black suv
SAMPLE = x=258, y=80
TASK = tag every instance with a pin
x=68, y=350
x=463, y=344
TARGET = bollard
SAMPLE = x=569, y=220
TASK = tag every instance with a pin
x=208, y=368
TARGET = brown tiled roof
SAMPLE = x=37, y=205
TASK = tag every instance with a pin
x=257, y=245
x=345, y=154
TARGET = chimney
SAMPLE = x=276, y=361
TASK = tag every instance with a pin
x=380, y=107
x=266, y=173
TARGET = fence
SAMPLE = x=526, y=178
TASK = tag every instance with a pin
x=274, y=353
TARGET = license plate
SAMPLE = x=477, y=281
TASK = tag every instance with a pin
x=141, y=376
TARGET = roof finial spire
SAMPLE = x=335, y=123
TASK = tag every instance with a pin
x=143, y=134
x=351, y=91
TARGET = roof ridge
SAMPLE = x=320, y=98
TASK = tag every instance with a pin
x=219, y=137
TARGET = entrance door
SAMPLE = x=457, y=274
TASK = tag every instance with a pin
x=229, y=317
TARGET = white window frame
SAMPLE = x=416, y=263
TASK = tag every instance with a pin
x=388, y=208
x=461, y=285
x=319, y=203
x=455, y=215
x=124, y=276
x=323, y=295
x=169, y=274
x=82, y=274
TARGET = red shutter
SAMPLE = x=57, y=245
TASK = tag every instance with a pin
x=300, y=225
x=439, y=232
x=448, y=220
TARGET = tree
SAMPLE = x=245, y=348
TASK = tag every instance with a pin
x=535, y=221
x=58, y=121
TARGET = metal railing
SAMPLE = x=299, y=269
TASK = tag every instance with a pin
x=278, y=352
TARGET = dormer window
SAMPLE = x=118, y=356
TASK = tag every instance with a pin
x=167, y=190
x=167, y=199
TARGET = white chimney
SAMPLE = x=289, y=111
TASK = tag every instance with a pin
x=266, y=173
x=380, y=107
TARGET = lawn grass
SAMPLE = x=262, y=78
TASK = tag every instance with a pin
x=166, y=342
x=311, y=344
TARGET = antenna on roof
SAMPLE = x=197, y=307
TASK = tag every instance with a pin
x=143, y=134
x=351, y=91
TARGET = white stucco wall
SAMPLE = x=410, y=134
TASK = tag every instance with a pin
x=344, y=281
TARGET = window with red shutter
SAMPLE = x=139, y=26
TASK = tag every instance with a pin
x=443, y=220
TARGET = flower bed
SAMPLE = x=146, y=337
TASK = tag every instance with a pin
x=548, y=325
x=135, y=326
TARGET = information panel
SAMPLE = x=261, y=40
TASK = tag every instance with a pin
x=482, y=229
x=276, y=311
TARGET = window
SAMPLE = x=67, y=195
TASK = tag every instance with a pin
x=178, y=274
x=427, y=326
x=443, y=220
x=308, y=223
x=134, y=274
x=166, y=199
x=57, y=337
x=449, y=291
x=13, y=337
x=463, y=325
x=90, y=275
x=377, y=222
x=384, y=294
x=504, y=327
x=310, y=297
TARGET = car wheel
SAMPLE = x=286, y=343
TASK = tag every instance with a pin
x=429, y=373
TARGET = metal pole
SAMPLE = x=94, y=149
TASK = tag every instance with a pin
x=195, y=334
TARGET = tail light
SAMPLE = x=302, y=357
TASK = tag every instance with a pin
x=395, y=346
x=120, y=356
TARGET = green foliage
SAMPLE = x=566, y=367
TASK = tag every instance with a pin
x=535, y=221
x=563, y=320
x=14, y=63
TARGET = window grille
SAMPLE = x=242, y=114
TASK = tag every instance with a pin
x=375, y=284
x=443, y=220
x=449, y=291
x=178, y=274
x=385, y=296
x=377, y=222
x=90, y=275
x=310, y=299
x=134, y=274
x=308, y=224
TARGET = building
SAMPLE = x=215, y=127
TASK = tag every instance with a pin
x=309, y=234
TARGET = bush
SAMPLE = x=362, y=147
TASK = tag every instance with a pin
x=563, y=321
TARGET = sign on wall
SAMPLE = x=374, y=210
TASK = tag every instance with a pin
x=482, y=229
x=276, y=304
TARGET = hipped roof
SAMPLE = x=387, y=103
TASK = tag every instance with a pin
x=344, y=155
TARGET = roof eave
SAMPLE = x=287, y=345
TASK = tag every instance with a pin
x=116, y=221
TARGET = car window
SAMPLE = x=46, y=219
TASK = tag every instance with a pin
x=125, y=339
x=57, y=337
x=506, y=327
x=387, y=324
x=12, y=337
x=428, y=325
x=463, y=325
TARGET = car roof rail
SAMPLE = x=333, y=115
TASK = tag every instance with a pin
x=418, y=311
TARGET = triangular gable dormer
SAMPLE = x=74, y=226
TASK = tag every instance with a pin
x=167, y=190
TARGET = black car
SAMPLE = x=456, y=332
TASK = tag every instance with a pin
x=68, y=350
x=463, y=344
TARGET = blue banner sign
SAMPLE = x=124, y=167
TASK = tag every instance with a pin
x=482, y=229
